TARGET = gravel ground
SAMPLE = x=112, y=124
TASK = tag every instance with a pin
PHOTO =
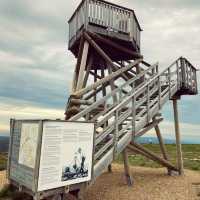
x=149, y=184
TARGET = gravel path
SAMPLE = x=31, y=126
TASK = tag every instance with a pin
x=150, y=184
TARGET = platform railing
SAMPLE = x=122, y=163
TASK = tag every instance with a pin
x=106, y=15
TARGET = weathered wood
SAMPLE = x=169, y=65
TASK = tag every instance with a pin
x=103, y=85
x=128, y=175
x=151, y=155
x=95, y=80
x=82, y=69
x=76, y=71
x=161, y=143
x=149, y=127
x=98, y=49
x=125, y=75
x=115, y=45
x=178, y=139
x=106, y=79
x=88, y=71
x=80, y=102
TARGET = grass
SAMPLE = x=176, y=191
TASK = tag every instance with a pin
x=191, y=155
x=3, y=161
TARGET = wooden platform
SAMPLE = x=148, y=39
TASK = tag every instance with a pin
x=114, y=22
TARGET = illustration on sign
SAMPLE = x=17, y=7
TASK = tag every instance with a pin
x=77, y=169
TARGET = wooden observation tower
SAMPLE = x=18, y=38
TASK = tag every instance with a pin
x=114, y=87
x=119, y=94
x=104, y=38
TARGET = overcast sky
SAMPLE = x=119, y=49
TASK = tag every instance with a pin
x=36, y=67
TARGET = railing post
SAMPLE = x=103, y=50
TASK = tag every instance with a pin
x=116, y=131
x=159, y=92
x=120, y=94
x=178, y=75
x=187, y=73
x=86, y=14
x=169, y=79
x=190, y=77
x=157, y=68
x=133, y=117
x=195, y=79
x=148, y=102
x=183, y=72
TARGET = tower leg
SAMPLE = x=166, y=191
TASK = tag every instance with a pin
x=110, y=168
x=178, y=139
x=127, y=168
x=162, y=145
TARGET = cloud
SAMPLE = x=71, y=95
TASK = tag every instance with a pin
x=36, y=68
x=23, y=110
x=187, y=131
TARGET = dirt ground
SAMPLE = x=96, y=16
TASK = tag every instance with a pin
x=149, y=184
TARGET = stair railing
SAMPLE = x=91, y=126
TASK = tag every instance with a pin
x=140, y=107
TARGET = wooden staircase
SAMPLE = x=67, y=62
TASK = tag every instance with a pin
x=120, y=122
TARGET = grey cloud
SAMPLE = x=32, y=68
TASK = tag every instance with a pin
x=37, y=31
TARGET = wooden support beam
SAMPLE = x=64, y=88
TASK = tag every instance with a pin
x=95, y=80
x=141, y=150
x=115, y=45
x=149, y=127
x=76, y=71
x=162, y=145
x=89, y=65
x=161, y=142
x=106, y=79
x=82, y=66
x=98, y=49
x=145, y=63
x=105, y=85
x=112, y=85
x=128, y=175
x=178, y=139
x=126, y=76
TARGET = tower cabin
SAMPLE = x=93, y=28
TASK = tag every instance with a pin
x=112, y=22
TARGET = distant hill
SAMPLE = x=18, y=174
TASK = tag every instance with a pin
x=4, y=144
x=154, y=140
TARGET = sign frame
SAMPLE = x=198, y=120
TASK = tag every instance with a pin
x=34, y=190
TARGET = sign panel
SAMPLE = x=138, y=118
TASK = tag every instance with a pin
x=66, y=154
x=28, y=144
